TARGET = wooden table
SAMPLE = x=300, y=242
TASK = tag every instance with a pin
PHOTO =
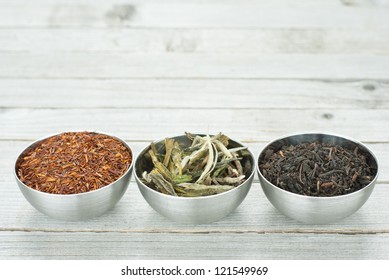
x=142, y=70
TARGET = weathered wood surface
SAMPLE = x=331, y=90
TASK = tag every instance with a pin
x=143, y=70
x=175, y=65
x=198, y=93
x=42, y=245
x=248, y=125
x=215, y=14
x=199, y=40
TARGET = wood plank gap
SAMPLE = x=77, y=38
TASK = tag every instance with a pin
x=323, y=80
x=179, y=28
x=172, y=108
x=205, y=231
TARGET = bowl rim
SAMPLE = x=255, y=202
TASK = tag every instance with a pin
x=75, y=194
x=318, y=197
x=139, y=181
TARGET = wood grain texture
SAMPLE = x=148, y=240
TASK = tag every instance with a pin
x=317, y=3
x=210, y=93
x=144, y=70
x=300, y=3
x=244, y=124
x=187, y=40
x=181, y=246
x=116, y=65
x=190, y=14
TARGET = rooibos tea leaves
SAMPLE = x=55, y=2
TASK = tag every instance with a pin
x=317, y=169
x=74, y=162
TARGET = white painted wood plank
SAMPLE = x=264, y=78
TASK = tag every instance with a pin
x=183, y=40
x=27, y=245
x=114, y=65
x=209, y=93
x=317, y=3
x=267, y=3
x=132, y=229
x=240, y=124
x=366, y=3
x=216, y=15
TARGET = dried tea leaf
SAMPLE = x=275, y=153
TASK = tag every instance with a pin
x=193, y=190
x=317, y=169
x=206, y=167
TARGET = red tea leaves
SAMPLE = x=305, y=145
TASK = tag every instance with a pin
x=74, y=162
x=317, y=169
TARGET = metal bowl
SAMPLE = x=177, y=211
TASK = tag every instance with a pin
x=316, y=210
x=74, y=207
x=193, y=210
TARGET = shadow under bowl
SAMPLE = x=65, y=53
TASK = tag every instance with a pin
x=310, y=209
x=75, y=207
x=193, y=210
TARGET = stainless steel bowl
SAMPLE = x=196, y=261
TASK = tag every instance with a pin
x=192, y=210
x=74, y=207
x=316, y=210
